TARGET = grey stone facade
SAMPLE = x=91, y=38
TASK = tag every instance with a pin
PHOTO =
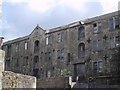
x=81, y=49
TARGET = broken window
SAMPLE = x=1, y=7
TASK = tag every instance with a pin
x=36, y=46
x=95, y=27
x=81, y=32
x=81, y=50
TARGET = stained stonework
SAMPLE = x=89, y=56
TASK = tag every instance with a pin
x=15, y=80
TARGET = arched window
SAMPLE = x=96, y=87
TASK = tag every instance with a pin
x=81, y=32
x=81, y=50
x=36, y=46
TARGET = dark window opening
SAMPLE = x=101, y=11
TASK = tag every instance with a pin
x=94, y=67
x=35, y=72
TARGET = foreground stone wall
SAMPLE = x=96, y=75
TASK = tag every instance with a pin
x=14, y=80
x=59, y=82
x=2, y=56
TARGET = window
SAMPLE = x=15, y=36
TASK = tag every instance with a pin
x=81, y=50
x=60, y=54
x=17, y=47
x=60, y=37
x=26, y=45
x=48, y=74
x=9, y=50
x=36, y=46
x=100, y=45
x=111, y=24
x=7, y=62
x=95, y=27
x=17, y=63
x=48, y=56
x=112, y=42
x=48, y=40
x=100, y=65
x=81, y=32
x=36, y=62
x=97, y=66
x=117, y=40
x=68, y=58
x=95, y=45
x=116, y=22
x=99, y=27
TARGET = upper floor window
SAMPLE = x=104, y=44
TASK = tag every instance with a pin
x=60, y=54
x=48, y=40
x=36, y=46
x=111, y=24
x=81, y=32
x=95, y=44
x=26, y=45
x=95, y=27
x=116, y=25
x=60, y=37
x=17, y=47
x=81, y=50
x=8, y=50
x=99, y=27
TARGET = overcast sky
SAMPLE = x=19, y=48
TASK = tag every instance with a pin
x=20, y=17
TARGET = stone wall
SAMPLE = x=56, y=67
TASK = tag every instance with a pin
x=14, y=80
x=59, y=82
x=2, y=55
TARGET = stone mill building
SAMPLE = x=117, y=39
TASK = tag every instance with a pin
x=81, y=49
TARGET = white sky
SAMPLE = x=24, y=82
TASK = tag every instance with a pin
x=21, y=16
